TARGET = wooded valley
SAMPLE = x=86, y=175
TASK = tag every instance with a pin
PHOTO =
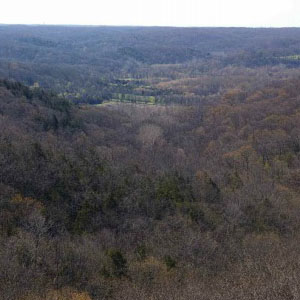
x=149, y=163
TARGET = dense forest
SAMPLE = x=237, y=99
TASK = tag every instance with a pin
x=180, y=184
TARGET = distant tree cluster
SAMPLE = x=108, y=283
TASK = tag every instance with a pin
x=89, y=65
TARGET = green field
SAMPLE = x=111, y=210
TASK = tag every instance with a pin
x=133, y=98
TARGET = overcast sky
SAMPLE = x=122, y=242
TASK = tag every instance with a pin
x=246, y=13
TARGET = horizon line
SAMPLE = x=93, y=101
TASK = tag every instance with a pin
x=148, y=26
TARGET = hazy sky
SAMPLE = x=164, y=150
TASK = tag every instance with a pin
x=249, y=13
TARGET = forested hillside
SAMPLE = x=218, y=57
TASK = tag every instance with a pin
x=128, y=201
x=149, y=163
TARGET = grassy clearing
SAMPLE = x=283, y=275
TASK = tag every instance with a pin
x=292, y=57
